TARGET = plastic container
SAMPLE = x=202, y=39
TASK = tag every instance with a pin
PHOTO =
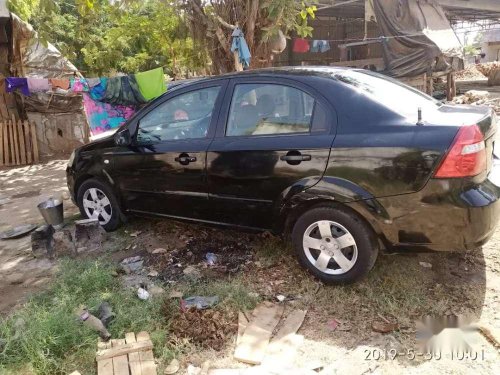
x=52, y=212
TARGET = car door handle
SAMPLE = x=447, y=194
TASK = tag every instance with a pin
x=185, y=159
x=295, y=158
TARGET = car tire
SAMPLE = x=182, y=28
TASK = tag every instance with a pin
x=96, y=199
x=323, y=236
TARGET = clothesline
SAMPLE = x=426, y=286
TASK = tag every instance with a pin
x=349, y=40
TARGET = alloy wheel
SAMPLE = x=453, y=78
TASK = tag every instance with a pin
x=97, y=205
x=330, y=247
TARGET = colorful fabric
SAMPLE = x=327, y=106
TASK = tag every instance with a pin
x=300, y=45
x=79, y=85
x=16, y=83
x=62, y=83
x=123, y=91
x=239, y=44
x=320, y=46
x=98, y=91
x=93, y=82
x=151, y=83
x=103, y=116
x=38, y=85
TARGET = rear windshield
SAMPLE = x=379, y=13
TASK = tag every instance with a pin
x=389, y=92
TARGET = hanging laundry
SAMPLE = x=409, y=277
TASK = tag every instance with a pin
x=62, y=83
x=16, y=83
x=151, y=83
x=239, y=44
x=38, y=84
x=93, y=82
x=320, y=46
x=300, y=45
x=98, y=91
x=123, y=91
x=103, y=116
x=79, y=85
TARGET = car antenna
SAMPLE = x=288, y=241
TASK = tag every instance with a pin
x=419, y=119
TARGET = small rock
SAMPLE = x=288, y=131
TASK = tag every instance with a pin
x=384, y=327
x=280, y=297
x=192, y=272
x=156, y=291
x=425, y=264
x=143, y=294
x=153, y=273
x=172, y=367
x=159, y=251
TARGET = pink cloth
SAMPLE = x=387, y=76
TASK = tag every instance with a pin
x=38, y=85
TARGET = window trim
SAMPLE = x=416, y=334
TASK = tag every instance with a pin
x=331, y=113
x=222, y=83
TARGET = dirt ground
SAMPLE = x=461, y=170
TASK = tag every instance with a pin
x=399, y=289
x=21, y=189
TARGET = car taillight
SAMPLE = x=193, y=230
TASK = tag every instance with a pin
x=467, y=156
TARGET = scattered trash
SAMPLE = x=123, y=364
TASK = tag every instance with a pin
x=425, y=264
x=52, y=212
x=105, y=313
x=384, y=327
x=280, y=297
x=153, y=273
x=135, y=234
x=92, y=322
x=172, y=367
x=199, y=302
x=159, y=251
x=132, y=264
x=332, y=324
x=17, y=231
x=211, y=259
x=143, y=294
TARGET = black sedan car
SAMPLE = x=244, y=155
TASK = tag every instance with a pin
x=345, y=162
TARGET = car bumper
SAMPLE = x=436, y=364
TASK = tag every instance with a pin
x=446, y=215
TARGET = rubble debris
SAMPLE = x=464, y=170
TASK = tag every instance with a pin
x=425, y=264
x=132, y=264
x=105, y=313
x=159, y=251
x=92, y=322
x=252, y=346
x=63, y=243
x=17, y=231
x=470, y=73
x=133, y=355
x=41, y=241
x=208, y=328
x=89, y=235
x=478, y=97
x=491, y=70
x=172, y=367
x=143, y=294
x=199, y=302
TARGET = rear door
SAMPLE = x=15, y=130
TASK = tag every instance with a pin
x=164, y=170
x=273, y=139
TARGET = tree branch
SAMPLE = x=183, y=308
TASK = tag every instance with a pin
x=224, y=23
x=253, y=11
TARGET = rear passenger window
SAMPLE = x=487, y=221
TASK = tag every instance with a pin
x=265, y=109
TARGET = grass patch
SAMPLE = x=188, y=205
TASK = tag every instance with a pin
x=271, y=250
x=45, y=335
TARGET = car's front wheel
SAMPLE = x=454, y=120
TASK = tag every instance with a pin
x=334, y=245
x=97, y=201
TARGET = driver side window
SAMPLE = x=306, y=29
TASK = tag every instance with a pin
x=186, y=116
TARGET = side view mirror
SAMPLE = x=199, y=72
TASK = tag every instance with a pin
x=123, y=138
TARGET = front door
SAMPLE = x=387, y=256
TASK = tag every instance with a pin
x=273, y=139
x=164, y=171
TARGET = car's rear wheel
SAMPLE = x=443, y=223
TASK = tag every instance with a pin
x=334, y=244
x=97, y=201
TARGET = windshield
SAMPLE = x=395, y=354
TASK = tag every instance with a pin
x=389, y=92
